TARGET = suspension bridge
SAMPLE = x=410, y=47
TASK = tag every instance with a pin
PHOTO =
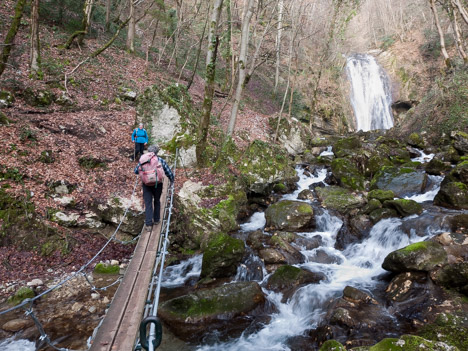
x=131, y=321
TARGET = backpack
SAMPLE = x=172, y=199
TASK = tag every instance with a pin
x=150, y=169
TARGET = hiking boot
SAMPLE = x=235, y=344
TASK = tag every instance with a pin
x=148, y=228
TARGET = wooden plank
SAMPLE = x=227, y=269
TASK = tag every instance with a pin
x=121, y=323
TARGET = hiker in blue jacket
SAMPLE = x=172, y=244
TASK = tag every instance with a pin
x=140, y=138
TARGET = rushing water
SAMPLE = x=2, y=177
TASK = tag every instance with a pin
x=370, y=93
x=17, y=345
x=357, y=266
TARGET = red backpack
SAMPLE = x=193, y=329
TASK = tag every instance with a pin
x=150, y=169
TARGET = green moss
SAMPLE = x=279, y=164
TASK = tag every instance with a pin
x=382, y=213
x=89, y=162
x=381, y=195
x=448, y=328
x=280, y=188
x=332, y=345
x=408, y=343
x=338, y=198
x=285, y=273
x=102, y=268
x=404, y=207
x=344, y=147
x=416, y=139
x=4, y=119
x=22, y=294
x=347, y=174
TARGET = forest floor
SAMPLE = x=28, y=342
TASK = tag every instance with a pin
x=95, y=121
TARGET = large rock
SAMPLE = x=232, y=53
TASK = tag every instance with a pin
x=402, y=181
x=15, y=325
x=38, y=98
x=288, y=279
x=453, y=276
x=409, y=343
x=222, y=256
x=421, y=256
x=460, y=142
x=112, y=212
x=452, y=195
x=190, y=316
x=338, y=198
x=289, y=215
x=347, y=174
x=263, y=165
x=404, y=207
x=346, y=146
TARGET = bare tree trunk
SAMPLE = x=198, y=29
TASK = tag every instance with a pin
x=463, y=11
x=131, y=28
x=10, y=36
x=87, y=10
x=200, y=44
x=108, y=11
x=244, y=44
x=456, y=29
x=211, y=54
x=35, y=51
x=441, y=34
x=278, y=42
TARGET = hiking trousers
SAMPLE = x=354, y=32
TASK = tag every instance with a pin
x=139, y=149
x=152, y=199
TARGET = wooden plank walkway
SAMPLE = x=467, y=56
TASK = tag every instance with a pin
x=121, y=324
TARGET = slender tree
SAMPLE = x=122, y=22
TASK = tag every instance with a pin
x=35, y=50
x=278, y=42
x=244, y=44
x=85, y=24
x=447, y=60
x=108, y=12
x=213, y=42
x=11, y=34
x=131, y=28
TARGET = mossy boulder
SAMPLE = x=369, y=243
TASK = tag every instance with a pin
x=404, y=181
x=452, y=195
x=221, y=257
x=264, y=165
x=372, y=205
x=104, y=268
x=382, y=213
x=289, y=215
x=437, y=167
x=453, y=276
x=112, y=211
x=189, y=316
x=340, y=199
x=347, y=174
x=460, y=172
x=376, y=163
x=416, y=140
x=381, y=195
x=460, y=141
x=421, y=256
x=346, y=146
x=6, y=99
x=404, y=207
x=288, y=278
x=332, y=345
x=20, y=295
x=407, y=343
x=38, y=98
x=448, y=328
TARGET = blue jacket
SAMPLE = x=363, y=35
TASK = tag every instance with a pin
x=140, y=136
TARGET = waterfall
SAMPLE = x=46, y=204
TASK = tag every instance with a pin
x=370, y=93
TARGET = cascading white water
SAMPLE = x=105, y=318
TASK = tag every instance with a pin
x=17, y=345
x=370, y=93
x=357, y=266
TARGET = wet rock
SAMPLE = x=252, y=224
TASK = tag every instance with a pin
x=15, y=325
x=272, y=256
x=339, y=199
x=347, y=174
x=322, y=256
x=421, y=256
x=332, y=345
x=459, y=223
x=404, y=207
x=381, y=195
x=452, y=195
x=308, y=243
x=416, y=140
x=413, y=152
x=306, y=195
x=281, y=242
x=190, y=316
x=288, y=279
x=355, y=229
x=406, y=287
x=256, y=239
x=451, y=328
x=289, y=215
x=222, y=256
x=402, y=181
x=346, y=146
x=453, y=276
x=6, y=99
x=355, y=295
x=410, y=343
x=437, y=167
x=460, y=141
x=382, y=213
x=371, y=206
